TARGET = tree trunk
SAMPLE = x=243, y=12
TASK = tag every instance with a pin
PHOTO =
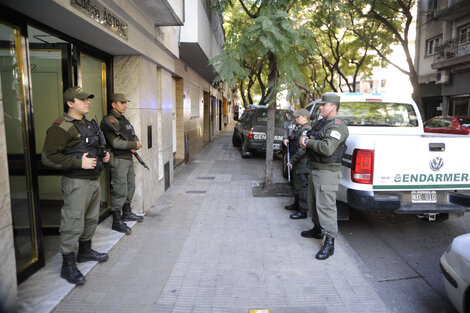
x=273, y=79
x=416, y=89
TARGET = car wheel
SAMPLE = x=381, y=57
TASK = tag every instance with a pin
x=246, y=153
x=235, y=140
x=284, y=165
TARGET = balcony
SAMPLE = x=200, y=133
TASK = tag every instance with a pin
x=449, y=10
x=163, y=12
x=202, y=37
x=451, y=53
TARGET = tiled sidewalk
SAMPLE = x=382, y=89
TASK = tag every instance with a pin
x=207, y=246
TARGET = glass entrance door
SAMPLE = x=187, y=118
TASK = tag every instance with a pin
x=20, y=151
x=50, y=71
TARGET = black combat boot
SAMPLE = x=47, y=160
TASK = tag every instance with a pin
x=128, y=216
x=86, y=253
x=327, y=250
x=118, y=224
x=70, y=271
x=291, y=207
x=315, y=232
x=298, y=215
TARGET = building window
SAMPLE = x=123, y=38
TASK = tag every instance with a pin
x=432, y=44
x=442, y=4
x=464, y=34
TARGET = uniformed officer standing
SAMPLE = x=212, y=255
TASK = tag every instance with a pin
x=299, y=164
x=325, y=146
x=121, y=137
x=75, y=145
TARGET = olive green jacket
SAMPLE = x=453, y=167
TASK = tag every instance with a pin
x=61, y=135
x=334, y=133
x=111, y=126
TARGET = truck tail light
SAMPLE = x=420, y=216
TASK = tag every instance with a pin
x=250, y=133
x=362, y=166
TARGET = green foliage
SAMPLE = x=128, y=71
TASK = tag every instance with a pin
x=274, y=30
x=317, y=45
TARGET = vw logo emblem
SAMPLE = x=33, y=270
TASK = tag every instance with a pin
x=436, y=164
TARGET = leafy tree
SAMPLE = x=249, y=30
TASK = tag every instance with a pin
x=268, y=37
x=394, y=18
x=342, y=56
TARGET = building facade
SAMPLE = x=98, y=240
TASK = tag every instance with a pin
x=145, y=49
x=443, y=56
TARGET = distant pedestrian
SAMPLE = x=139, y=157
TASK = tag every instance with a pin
x=121, y=138
x=74, y=145
x=299, y=164
x=325, y=146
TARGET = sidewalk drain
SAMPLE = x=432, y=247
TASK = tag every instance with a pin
x=206, y=178
x=196, y=191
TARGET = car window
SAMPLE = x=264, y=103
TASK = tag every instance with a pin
x=377, y=114
x=465, y=122
x=261, y=117
x=445, y=122
x=248, y=116
x=432, y=123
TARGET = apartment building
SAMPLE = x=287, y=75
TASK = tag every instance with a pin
x=443, y=56
x=156, y=52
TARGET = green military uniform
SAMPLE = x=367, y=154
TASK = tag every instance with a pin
x=122, y=171
x=80, y=188
x=70, y=138
x=121, y=137
x=301, y=170
x=325, y=153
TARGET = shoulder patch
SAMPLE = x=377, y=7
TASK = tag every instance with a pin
x=66, y=125
x=337, y=122
x=335, y=134
x=112, y=119
x=57, y=122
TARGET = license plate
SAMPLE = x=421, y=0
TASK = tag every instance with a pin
x=277, y=146
x=423, y=196
x=259, y=136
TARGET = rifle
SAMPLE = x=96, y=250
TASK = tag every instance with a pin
x=101, y=138
x=286, y=125
x=119, y=134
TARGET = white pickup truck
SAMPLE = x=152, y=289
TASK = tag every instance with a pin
x=391, y=165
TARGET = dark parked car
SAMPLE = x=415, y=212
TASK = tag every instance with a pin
x=250, y=130
x=448, y=125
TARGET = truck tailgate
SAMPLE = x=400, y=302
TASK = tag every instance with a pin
x=421, y=163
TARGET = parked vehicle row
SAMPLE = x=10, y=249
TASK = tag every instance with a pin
x=393, y=162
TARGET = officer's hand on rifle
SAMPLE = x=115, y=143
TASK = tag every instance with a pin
x=286, y=142
x=106, y=157
x=290, y=165
x=88, y=163
x=139, y=145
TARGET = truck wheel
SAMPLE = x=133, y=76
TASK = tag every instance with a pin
x=235, y=140
x=284, y=165
x=246, y=153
